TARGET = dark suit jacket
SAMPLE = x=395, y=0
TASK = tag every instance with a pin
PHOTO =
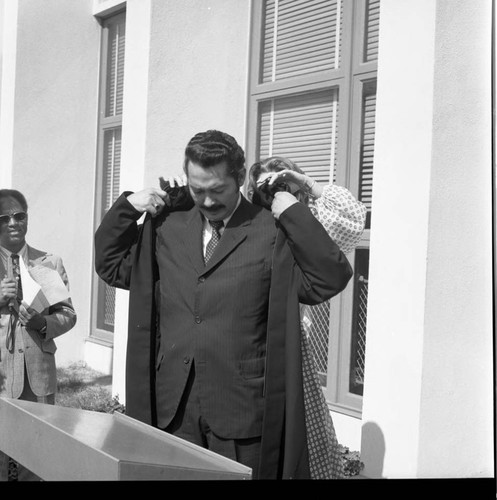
x=236, y=317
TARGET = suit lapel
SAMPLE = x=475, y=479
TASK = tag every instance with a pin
x=35, y=257
x=193, y=239
x=234, y=233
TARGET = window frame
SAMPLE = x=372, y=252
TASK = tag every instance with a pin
x=105, y=124
x=349, y=80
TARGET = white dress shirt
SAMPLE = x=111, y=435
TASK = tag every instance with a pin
x=207, y=230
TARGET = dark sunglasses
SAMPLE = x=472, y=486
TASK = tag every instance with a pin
x=18, y=217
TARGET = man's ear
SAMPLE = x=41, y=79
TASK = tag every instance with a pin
x=241, y=176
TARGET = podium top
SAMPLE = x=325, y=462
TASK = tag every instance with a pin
x=119, y=437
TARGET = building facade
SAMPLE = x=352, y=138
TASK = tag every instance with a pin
x=390, y=98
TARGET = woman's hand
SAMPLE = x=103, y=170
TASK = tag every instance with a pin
x=288, y=176
x=295, y=180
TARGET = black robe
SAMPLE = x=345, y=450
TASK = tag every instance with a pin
x=284, y=452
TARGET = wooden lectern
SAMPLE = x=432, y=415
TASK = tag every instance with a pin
x=68, y=444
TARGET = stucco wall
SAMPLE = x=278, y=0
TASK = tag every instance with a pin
x=54, y=132
x=198, y=77
x=427, y=409
x=190, y=60
x=1, y=47
x=456, y=425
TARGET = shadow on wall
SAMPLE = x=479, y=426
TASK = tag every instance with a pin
x=372, y=450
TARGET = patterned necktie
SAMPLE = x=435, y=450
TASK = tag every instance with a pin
x=16, y=270
x=216, y=227
x=14, y=307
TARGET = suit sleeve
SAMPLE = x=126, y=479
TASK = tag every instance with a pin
x=321, y=268
x=61, y=316
x=115, y=243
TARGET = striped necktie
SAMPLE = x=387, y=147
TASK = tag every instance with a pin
x=216, y=235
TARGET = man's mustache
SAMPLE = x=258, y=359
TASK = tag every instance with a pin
x=213, y=209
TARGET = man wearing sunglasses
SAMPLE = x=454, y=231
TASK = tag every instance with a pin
x=27, y=347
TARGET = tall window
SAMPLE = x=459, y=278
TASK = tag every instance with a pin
x=312, y=99
x=109, y=154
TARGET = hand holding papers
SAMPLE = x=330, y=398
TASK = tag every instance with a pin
x=42, y=287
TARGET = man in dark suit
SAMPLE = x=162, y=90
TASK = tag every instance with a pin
x=214, y=334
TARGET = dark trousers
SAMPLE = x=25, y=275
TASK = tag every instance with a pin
x=189, y=424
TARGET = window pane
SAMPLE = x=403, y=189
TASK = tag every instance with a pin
x=319, y=333
x=111, y=167
x=372, y=30
x=115, y=67
x=111, y=170
x=106, y=307
x=300, y=38
x=367, y=146
x=303, y=128
x=358, y=340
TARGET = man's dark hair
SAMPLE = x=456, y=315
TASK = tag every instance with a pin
x=17, y=195
x=213, y=147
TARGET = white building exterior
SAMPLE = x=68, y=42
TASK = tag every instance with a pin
x=427, y=405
